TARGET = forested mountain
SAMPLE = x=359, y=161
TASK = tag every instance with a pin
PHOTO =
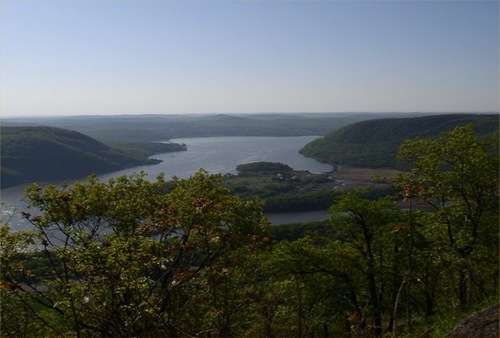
x=374, y=143
x=45, y=153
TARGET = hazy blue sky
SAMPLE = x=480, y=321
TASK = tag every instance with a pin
x=127, y=57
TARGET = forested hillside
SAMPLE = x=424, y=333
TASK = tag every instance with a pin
x=190, y=258
x=37, y=154
x=374, y=143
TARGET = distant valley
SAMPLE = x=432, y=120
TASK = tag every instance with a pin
x=58, y=148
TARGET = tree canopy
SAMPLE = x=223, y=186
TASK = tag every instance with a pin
x=263, y=167
x=133, y=257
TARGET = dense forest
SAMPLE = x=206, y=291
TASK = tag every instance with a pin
x=38, y=154
x=374, y=143
x=133, y=257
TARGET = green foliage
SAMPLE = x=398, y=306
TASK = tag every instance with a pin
x=295, y=231
x=131, y=257
x=374, y=143
x=400, y=268
x=16, y=317
x=457, y=176
x=366, y=226
x=287, y=191
x=134, y=257
x=263, y=168
x=295, y=191
x=307, y=294
x=38, y=154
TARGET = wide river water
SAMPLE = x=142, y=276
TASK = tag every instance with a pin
x=214, y=154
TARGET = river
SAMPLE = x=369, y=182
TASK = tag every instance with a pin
x=214, y=154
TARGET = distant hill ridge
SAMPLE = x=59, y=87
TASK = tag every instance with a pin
x=146, y=128
x=31, y=154
x=374, y=143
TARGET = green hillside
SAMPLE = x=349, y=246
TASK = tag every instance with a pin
x=374, y=143
x=35, y=154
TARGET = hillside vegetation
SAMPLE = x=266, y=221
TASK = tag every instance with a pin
x=37, y=154
x=374, y=143
x=196, y=258
x=263, y=167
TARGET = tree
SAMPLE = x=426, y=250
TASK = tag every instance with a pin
x=368, y=227
x=126, y=257
x=456, y=176
x=353, y=271
x=14, y=304
x=307, y=288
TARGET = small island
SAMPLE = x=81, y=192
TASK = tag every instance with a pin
x=263, y=168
